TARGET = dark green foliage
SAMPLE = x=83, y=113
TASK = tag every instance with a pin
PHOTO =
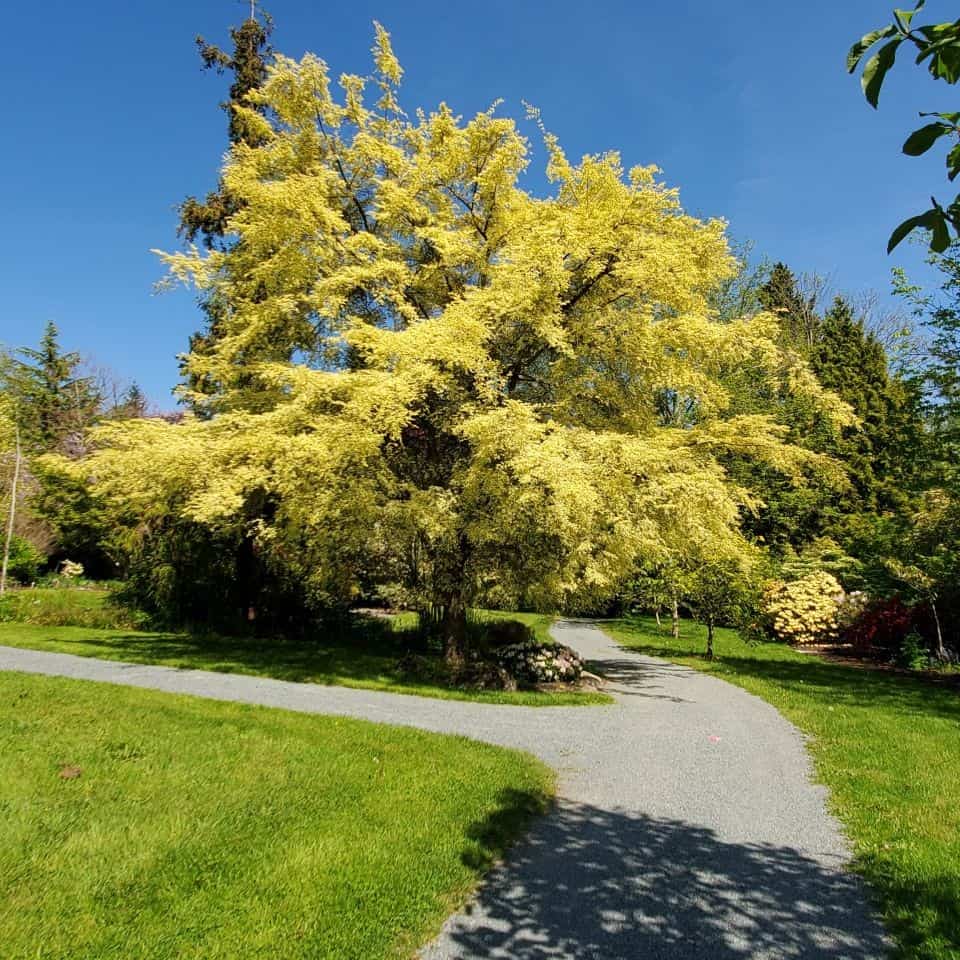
x=182, y=574
x=54, y=402
x=797, y=310
x=248, y=65
x=937, y=45
x=884, y=451
x=883, y=455
x=76, y=518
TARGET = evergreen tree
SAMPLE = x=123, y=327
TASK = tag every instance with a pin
x=248, y=64
x=55, y=402
x=208, y=218
x=883, y=451
x=781, y=295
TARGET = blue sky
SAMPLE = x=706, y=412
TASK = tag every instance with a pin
x=746, y=107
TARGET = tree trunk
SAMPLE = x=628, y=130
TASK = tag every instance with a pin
x=13, y=512
x=941, y=652
x=656, y=613
x=454, y=627
x=709, y=638
x=675, y=613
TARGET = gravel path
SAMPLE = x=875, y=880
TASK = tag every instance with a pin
x=686, y=824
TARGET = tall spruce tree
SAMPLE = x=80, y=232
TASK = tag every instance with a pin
x=247, y=63
x=797, y=309
x=208, y=218
x=55, y=402
x=883, y=452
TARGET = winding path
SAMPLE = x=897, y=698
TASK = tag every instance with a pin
x=686, y=823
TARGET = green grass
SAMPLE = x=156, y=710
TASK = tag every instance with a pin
x=62, y=606
x=199, y=829
x=361, y=654
x=887, y=746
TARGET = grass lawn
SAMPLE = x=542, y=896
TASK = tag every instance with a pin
x=887, y=746
x=363, y=654
x=147, y=825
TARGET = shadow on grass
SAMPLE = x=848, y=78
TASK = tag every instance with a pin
x=362, y=652
x=590, y=883
x=833, y=683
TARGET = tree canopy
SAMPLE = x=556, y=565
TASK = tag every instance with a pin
x=428, y=376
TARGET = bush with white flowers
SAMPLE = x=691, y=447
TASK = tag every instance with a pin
x=532, y=662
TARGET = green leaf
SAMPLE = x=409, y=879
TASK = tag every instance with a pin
x=953, y=162
x=953, y=118
x=941, y=234
x=908, y=226
x=905, y=16
x=865, y=43
x=945, y=64
x=876, y=69
x=920, y=141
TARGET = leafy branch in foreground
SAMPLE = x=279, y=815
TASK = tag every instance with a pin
x=938, y=45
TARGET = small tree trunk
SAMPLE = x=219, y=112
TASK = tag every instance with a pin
x=941, y=650
x=454, y=627
x=709, y=638
x=656, y=613
x=675, y=613
x=13, y=511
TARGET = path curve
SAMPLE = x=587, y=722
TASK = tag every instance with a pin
x=686, y=823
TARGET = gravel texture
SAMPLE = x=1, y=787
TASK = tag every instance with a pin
x=686, y=823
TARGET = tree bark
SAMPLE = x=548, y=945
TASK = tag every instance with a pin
x=941, y=651
x=13, y=512
x=709, y=638
x=656, y=613
x=675, y=613
x=454, y=628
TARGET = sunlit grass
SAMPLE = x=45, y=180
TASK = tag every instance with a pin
x=142, y=824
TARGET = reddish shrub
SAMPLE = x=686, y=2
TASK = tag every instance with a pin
x=883, y=624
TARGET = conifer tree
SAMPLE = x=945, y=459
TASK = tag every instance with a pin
x=882, y=451
x=797, y=311
x=208, y=219
x=56, y=403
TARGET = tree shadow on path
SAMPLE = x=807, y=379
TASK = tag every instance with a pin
x=590, y=883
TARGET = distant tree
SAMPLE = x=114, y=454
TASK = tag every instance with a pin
x=133, y=403
x=937, y=44
x=715, y=591
x=784, y=295
x=939, y=313
x=885, y=450
x=741, y=294
x=56, y=402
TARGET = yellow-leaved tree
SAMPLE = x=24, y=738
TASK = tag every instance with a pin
x=425, y=375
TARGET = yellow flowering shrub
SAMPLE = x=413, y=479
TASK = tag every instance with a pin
x=804, y=610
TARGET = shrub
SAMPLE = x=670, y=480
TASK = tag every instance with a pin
x=496, y=634
x=25, y=560
x=912, y=653
x=883, y=624
x=532, y=662
x=70, y=570
x=805, y=610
